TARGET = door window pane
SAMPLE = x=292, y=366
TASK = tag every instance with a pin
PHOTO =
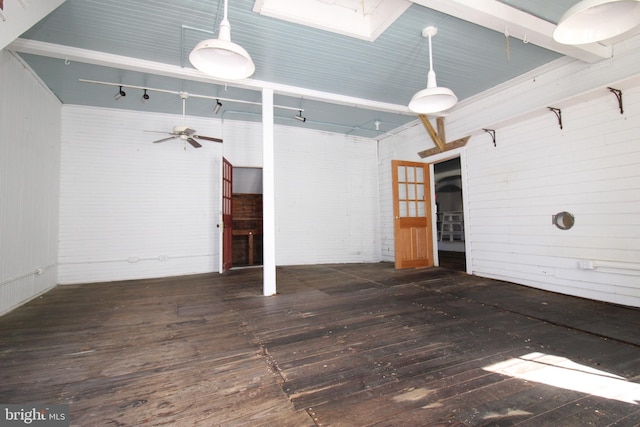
x=421, y=211
x=411, y=174
x=412, y=209
x=403, y=209
x=402, y=191
x=402, y=175
x=420, y=192
x=411, y=192
x=419, y=175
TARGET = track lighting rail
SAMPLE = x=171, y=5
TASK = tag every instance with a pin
x=188, y=94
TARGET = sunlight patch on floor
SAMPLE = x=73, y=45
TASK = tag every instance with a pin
x=563, y=373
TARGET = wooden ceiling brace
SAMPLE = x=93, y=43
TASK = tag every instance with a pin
x=432, y=132
x=458, y=143
x=440, y=126
x=438, y=138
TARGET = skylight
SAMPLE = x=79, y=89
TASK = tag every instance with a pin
x=362, y=19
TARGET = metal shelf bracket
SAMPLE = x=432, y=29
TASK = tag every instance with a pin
x=558, y=114
x=618, y=94
x=493, y=135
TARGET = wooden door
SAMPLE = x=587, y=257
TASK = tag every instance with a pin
x=412, y=215
x=227, y=217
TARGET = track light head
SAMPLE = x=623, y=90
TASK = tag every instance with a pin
x=216, y=109
x=299, y=117
x=145, y=97
x=120, y=94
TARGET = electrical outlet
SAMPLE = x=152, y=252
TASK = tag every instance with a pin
x=586, y=264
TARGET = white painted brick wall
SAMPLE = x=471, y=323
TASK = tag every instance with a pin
x=132, y=209
x=326, y=198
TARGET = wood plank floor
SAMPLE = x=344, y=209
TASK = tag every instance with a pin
x=341, y=345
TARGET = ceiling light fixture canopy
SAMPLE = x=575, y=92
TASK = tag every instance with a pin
x=591, y=21
x=433, y=99
x=221, y=58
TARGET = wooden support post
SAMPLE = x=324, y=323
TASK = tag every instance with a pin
x=268, y=195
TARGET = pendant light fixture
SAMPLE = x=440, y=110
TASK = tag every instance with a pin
x=221, y=58
x=433, y=99
x=591, y=21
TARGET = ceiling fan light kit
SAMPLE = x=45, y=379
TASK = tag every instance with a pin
x=592, y=21
x=433, y=99
x=221, y=58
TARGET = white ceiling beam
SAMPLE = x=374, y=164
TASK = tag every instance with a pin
x=18, y=16
x=502, y=18
x=69, y=53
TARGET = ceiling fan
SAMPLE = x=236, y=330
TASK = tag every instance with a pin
x=184, y=132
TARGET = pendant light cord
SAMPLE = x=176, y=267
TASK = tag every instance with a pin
x=430, y=57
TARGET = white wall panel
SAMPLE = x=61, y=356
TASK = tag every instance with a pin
x=29, y=184
x=590, y=168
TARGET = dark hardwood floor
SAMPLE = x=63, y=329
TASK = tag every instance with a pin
x=341, y=345
x=452, y=260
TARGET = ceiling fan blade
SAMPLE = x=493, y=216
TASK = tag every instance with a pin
x=188, y=131
x=158, y=131
x=164, y=139
x=194, y=143
x=208, y=138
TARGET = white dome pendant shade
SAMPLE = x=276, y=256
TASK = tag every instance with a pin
x=433, y=99
x=221, y=58
x=592, y=21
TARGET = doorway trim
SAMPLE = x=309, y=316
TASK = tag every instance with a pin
x=438, y=158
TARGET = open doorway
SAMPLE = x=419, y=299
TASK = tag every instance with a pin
x=247, y=217
x=450, y=214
